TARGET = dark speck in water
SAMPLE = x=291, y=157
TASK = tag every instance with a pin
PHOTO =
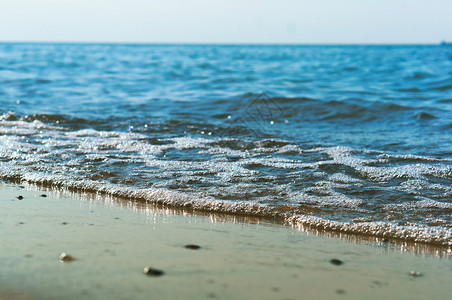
x=20, y=197
x=43, y=195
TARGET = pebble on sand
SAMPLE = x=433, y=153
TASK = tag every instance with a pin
x=66, y=257
x=153, y=272
x=415, y=274
x=192, y=247
x=336, y=262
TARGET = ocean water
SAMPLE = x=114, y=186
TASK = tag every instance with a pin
x=349, y=138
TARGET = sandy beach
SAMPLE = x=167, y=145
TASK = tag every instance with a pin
x=112, y=241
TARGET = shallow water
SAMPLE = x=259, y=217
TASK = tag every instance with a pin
x=349, y=138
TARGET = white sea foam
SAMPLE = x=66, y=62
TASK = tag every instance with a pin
x=283, y=182
x=415, y=233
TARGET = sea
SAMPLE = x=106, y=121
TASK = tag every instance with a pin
x=349, y=138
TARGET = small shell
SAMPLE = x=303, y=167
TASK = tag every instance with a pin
x=153, y=272
x=415, y=274
x=66, y=257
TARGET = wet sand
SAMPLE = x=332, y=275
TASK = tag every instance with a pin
x=193, y=256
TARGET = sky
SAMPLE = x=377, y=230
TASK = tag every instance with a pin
x=228, y=21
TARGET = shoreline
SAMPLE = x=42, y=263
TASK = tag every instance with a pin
x=140, y=200
x=113, y=240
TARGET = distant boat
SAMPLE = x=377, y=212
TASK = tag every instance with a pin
x=444, y=43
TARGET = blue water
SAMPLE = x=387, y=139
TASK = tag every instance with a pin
x=348, y=138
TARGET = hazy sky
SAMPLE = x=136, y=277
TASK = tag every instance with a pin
x=227, y=21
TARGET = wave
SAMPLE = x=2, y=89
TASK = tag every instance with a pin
x=241, y=111
x=312, y=109
x=445, y=87
x=414, y=233
x=445, y=101
x=334, y=188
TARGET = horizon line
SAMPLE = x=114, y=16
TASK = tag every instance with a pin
x=220, y=44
